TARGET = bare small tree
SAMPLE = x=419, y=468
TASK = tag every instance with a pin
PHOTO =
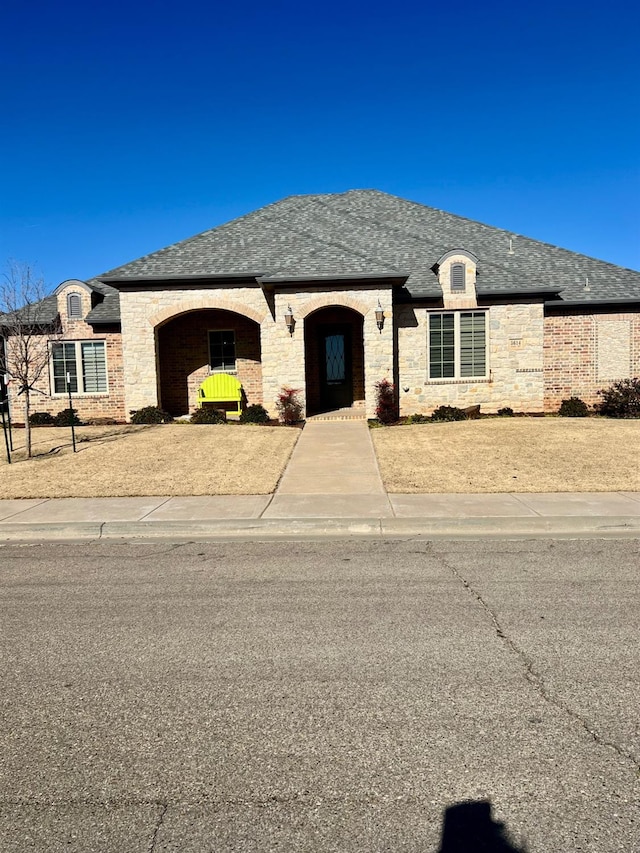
x=27, y=322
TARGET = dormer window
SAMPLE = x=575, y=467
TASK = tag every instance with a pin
x=458, y=278
x=74, y=306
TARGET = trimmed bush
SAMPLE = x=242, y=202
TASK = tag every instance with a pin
x=506, y=412
x=418, y=419
x=150, y=415
x=574, y=407
x=67, y=417
x=386, y=410
x=255, y=414
x=289, y=406
x=621, y=400
x=208, y=415
x=448, y=413
x=41, y=419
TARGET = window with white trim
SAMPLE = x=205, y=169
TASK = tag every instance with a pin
x=458, y=345
x=222, y=350
x=86, y=364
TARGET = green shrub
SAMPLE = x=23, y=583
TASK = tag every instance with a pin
x=506, y=412
x=208, y=415
x=255, y=414
x=41, y=419
x=150, y=415
x=448, y=413
x=289, y=406
x=386, y=409
x=418, y=419
x=67, y=417
x=621, y=400
x=574, y=407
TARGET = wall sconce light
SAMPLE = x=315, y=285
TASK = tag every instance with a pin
x=290, y=320
x=380, y=317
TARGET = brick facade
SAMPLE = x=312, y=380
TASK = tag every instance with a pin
x=536, y=357
x=183, y=357
x=88, y=406
x=315, y=324
x=586, y=350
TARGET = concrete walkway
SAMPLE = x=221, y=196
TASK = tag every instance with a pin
x=333, y=472
x=331, y=487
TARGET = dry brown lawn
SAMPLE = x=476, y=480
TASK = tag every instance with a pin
x=130, y=460
x=511, y=455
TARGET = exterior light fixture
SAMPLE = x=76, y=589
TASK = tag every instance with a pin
x=380, y=317
x=290, y=320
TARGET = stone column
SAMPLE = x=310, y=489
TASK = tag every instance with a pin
x=282, y=353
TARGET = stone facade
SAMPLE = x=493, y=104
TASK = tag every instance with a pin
x=586, y=350
x=515, y=363
x=536, y=357
x=143, y=313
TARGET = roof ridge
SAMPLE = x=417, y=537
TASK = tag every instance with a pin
x=496, y=228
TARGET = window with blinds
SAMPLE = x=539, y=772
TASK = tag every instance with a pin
x=473, y=347
x=85, y=363
x=458, y=345
x=94, y=367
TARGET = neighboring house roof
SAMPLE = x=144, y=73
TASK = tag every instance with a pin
x=370, y=233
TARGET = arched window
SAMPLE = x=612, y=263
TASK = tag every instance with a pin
x=74, y=306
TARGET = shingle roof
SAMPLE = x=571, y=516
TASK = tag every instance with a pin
x=107, y=310
x=367, y=232
x=42, y=313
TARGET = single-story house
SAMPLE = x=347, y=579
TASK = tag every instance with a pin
x=330, y=294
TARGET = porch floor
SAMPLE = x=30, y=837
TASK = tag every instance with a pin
x=357, y=412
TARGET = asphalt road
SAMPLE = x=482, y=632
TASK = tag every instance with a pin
x=331, y=696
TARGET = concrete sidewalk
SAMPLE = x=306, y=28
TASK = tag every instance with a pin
x=331, y=487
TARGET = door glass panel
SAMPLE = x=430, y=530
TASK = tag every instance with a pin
x=335, y=358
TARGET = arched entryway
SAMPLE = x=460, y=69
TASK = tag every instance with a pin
x=334, y=359
x=194, y=344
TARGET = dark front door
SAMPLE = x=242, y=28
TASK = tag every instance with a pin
x=336, y=378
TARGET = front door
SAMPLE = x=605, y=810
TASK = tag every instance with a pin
x=336, y=379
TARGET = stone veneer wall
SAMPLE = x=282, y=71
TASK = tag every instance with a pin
x=585, y=351
x=88, y=406
x=282, y=354
x=515, y=361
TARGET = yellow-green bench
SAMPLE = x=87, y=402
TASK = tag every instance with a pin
x=221, y=388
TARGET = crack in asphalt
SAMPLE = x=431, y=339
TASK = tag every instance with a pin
x=154, y=837
x=534, y=677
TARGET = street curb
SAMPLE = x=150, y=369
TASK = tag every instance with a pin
x=310, y=528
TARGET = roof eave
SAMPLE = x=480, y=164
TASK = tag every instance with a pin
x=396, y=278
x=573, y=303
x=123, y=282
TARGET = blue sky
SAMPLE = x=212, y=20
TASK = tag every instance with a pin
x=128, y=126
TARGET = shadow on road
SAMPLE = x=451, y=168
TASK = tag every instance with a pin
x=468, y=827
